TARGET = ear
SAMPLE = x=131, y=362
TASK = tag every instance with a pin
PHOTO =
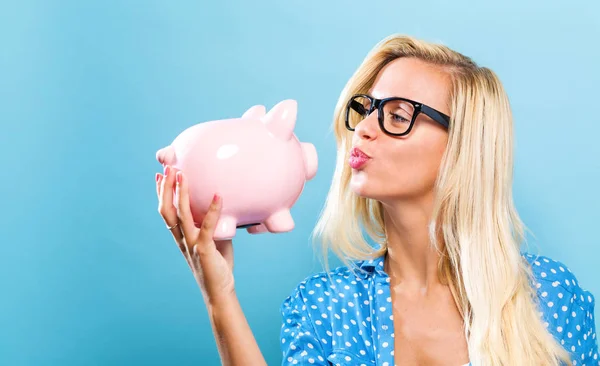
x=281, y=119
x=256, y=111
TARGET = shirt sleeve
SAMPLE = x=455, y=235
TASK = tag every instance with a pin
x=299, y=343
x=576, y=324
x=590, y=354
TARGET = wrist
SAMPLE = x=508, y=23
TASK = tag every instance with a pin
x=222, y=301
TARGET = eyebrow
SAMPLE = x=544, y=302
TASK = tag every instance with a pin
x=393, y=95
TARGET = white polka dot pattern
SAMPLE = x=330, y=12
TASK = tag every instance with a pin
x=567, y=309
x=349, y=321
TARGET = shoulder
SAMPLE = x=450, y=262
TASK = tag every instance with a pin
x=554, y=277
x=314, y=289
x=324, y=312
x=326, y=298
x=566, y=306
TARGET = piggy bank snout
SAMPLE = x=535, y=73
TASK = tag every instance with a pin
x=311, y=160
x=166, y=156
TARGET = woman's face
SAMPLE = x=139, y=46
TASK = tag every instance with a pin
x=403, y=167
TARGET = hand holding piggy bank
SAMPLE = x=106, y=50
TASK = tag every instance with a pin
x=255, y=163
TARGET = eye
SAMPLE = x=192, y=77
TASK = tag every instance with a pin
x=398, y=118
x=399, y=111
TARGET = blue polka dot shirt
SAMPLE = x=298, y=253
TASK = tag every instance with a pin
x=349, y=321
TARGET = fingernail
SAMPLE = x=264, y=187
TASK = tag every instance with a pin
x=157, y=177
x=167, y=169
x=215, y=198
x=178, y=177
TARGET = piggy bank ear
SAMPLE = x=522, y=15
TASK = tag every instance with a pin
x=281, y=119
x=256, y=111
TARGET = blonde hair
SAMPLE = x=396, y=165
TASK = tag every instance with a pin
x=474, y=227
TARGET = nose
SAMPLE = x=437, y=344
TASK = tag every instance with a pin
x=368, y=128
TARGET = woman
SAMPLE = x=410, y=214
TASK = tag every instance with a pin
x=425, y=161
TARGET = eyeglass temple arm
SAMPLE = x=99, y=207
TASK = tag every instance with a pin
x=435, y=115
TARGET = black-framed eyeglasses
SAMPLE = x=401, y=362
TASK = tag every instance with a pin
x=396, y=115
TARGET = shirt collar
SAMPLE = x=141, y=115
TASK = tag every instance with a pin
x=373, y=265
x=376, y=264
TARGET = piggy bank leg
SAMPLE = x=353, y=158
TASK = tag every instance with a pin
x=279, y=222
x=226, y=227
x=257, y=229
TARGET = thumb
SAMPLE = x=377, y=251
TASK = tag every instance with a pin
x=206, y=243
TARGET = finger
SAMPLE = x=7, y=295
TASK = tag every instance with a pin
x=207, y=230
x=159, y=178
x=180, y=237
x=166, y=207
x=190, y=231
x=167, y=210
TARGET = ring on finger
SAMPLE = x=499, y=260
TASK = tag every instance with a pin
x=173, y=227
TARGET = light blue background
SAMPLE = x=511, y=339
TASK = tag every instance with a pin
x=89, y=90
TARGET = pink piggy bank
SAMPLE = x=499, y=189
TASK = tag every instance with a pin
x=255, y=163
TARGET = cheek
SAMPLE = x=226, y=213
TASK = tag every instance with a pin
x=389, y=176
x=410, y=170
x=422, y=159
x=408, y=167
x=406, y=170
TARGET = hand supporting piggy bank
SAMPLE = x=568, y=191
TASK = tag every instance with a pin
x=255, y=163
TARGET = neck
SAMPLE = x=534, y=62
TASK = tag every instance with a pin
x=411, y=261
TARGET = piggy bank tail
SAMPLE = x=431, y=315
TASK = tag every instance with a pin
x=310, y=159
x=166, y=156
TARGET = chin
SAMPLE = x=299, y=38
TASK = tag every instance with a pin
x=365, y=189
x=359, y=184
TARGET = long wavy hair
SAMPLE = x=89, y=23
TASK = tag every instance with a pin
x=474, y=227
